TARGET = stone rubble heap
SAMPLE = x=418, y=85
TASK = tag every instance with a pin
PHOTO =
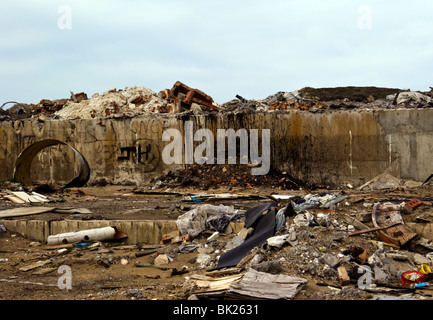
x=137, y=100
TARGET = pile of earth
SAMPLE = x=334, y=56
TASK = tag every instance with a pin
x=208, y=176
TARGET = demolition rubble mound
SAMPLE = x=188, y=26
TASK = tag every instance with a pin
x=322, y=245
x=339, y=98
x=208, y=176
x=137, y=100
x=131, y=101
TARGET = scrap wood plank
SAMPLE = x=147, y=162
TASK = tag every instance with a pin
x=356, y=223
x=224, y=272
x=44, y=271
x=71, y=210
x=55, y=247
x=40, y=197
x=35, y=265
x=14, y=199
x=25, y=211
x=25, y=197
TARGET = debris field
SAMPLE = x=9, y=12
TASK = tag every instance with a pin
x=137, y=101
x=322, y=243
x=238, y=236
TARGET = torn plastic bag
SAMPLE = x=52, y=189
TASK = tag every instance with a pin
x=309, y=203
x=262, y=219
x=312, y=201
x=195, y=221
x=280, y=219
x=221, y=220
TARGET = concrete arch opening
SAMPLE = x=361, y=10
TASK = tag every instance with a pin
x=24, y=162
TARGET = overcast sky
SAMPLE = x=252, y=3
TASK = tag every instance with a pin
x=252, y=48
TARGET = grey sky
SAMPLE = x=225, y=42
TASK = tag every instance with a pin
x=252, y=48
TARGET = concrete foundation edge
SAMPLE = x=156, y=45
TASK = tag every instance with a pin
x=149, y=232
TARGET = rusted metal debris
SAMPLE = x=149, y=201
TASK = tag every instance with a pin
x=398, y=232
x=184, y=96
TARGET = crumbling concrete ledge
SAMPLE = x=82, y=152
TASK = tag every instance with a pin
x=32, y=229
x=325, y=148
x=138, y=231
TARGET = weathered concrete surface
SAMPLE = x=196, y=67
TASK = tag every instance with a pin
x=330, y=148
x=142, y=231
x=137, y=231
x=409, y=134
x=32, y=229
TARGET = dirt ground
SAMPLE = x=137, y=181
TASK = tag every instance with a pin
x=112, y=271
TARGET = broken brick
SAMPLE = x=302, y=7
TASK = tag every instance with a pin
x=168, y=237
x=180, y=238
x=413, y=204
x=343, y=276
x=181, y=93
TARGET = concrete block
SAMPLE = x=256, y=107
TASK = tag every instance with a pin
x=31, y=229
x=343, y=276
x=412, y=204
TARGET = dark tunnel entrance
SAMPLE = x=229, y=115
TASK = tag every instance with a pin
x=24, y=162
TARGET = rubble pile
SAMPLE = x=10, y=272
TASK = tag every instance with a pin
x=279, y=238
x=208, y=176
x=17, y=111
x=373, y=242
x=318, y=238
x=356, y=94
x=137, y=100
x=279, y=101
x=346, y=98
x=130, y=101
x=133, y=101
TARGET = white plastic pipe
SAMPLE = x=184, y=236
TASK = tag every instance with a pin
x=100, y=234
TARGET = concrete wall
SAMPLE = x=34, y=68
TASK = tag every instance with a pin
x=331, y=148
